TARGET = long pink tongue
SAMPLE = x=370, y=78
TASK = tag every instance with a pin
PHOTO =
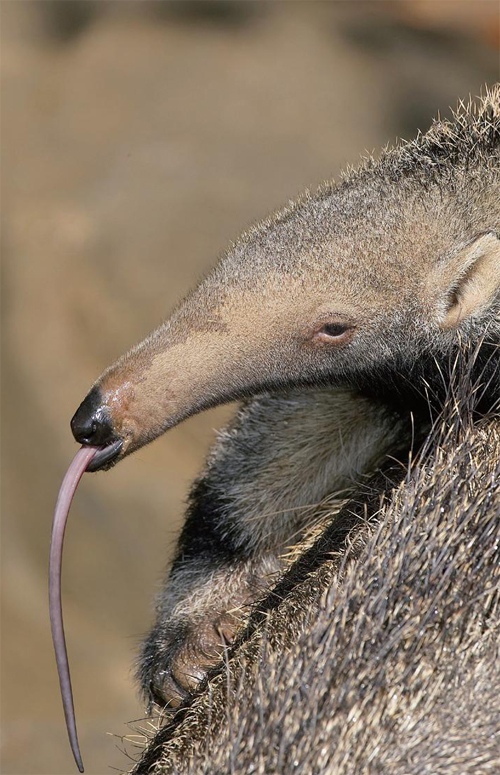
x=68, y=487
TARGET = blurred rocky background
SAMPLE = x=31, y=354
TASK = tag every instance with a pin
x=138, y=138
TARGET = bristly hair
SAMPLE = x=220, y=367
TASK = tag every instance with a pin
x=471, y=137
x=378, y=650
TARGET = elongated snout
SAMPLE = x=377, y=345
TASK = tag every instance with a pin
x=218, y=346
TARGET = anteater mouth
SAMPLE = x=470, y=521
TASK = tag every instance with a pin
x=106, y=457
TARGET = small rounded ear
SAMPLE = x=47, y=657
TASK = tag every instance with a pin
x=470, y=281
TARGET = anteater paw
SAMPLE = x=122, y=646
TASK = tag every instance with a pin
x=173, y=669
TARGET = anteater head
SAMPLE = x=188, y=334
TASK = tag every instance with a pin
x=394, y=264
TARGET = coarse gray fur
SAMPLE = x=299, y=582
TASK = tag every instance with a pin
x=408, y=249
x=257, y=499
x=378, y=652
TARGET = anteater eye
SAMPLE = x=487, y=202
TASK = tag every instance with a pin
x=334, y=330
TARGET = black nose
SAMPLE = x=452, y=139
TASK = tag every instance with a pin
x=91, y=423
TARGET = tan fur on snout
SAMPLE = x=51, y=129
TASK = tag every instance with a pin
x=186, y=365
x=182, y=366
x=253, y=335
